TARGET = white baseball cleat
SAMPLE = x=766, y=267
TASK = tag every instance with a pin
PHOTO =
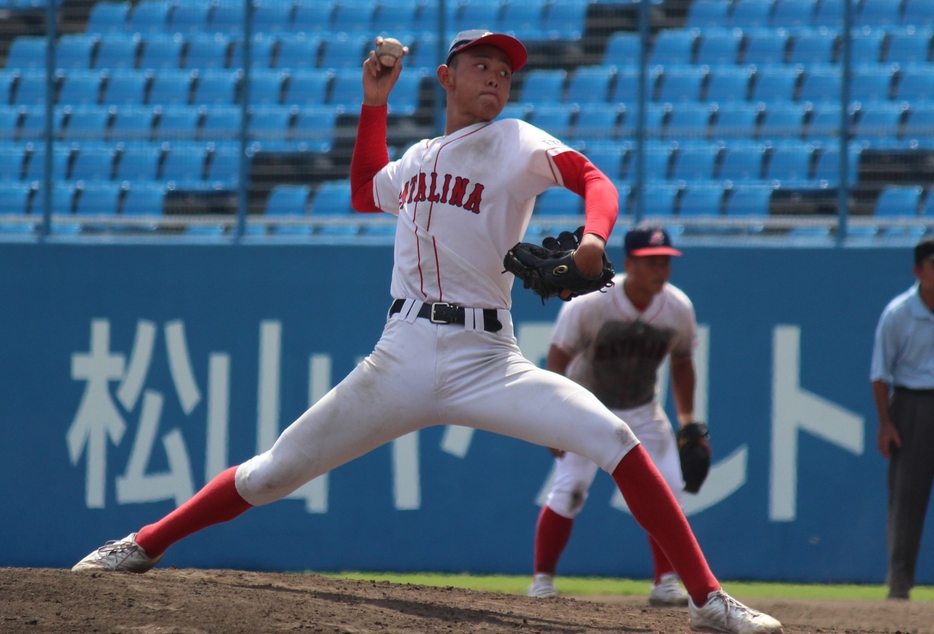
x=723, y=613
x=668, y=592
x=123, y=555
x=543, y=586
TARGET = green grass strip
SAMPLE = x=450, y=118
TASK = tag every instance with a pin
x=596, y=586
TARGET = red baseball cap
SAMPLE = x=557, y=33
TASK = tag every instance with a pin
x=648, y=240
x=513, y=48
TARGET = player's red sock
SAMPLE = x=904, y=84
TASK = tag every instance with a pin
x=551, y=536
x=662, y=565
x=217, y=502
x=657, y=511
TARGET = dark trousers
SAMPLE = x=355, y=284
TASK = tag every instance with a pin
x=911, y=472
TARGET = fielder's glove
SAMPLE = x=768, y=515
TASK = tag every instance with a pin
x=694, y=451
x=549, y=269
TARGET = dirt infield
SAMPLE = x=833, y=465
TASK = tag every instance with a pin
x=191, y=601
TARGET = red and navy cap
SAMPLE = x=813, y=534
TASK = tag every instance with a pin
x=648, y=240
x=510, y=45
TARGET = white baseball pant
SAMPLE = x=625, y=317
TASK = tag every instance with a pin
x=422, y=374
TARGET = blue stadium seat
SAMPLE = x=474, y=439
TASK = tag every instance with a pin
x=117, y=52
x=183, y=166
x=626, y=89
x=98, y=199
x=659, y=199
x=298, y=52
x=139, y=162
x=735, y=121
x=178, y=123
x=783, y=121
x=871, y=85
x=749, y=200
x=75, y=51
x=543, y=86
x=681, y=84
x=789, y=163
x=63, y=196
x=150, y=16
x=622, y=50
x=695, y=163
x=742, y=162
x=332, y=198
x=353, y=15
x=673, y=47
x=558, y=201
x=793, y=14
x=524, y=19
x=93, y=163
x=597, y=121
x=658, y=157
x=764, y=48
x=32, y=126
x=899, y=201
x=396, y=16
x=207, y=52
x=344, y=51
x=728, y=85
x=825, y=123
x=307, y=88
x=404, y=99
x=910, y=48
x=7, y=80
x=515, y=111
x=144, y=199
x=827, y=170
x=919, y=13
x=221, y=124
x=564, y=19
x=265, y=87
x=125, y=87
x=478, y=15
x=26, y=53
x=107, y=18
x=87, y=123
x=655, y=116
x=346, y=91
x=313, y=17
x=80, y=88
x=423, y=53
x=35, y=169
x=554, y=119
x=162, y=52
x=261, y=52
x=812, y=48
x=607, y=157
x=830, y=13
x=226, y=17
x=216, y=88
x=269, y=127
x=916, y=86
x=821, y=84
x=879, y=13
x=12, y=161
x=719, y=47
x=920, y=126
x=287, y=200
x=751, y=14
x=170, y=88
x=9, y=127
x=590, y=84
x=701, y=201
x=705, y=14
x=314, y=129
x=866, y=47
x=879, y=123
x=131, y=125
x=16, y=202
x=190, y=16
x=688, y=121
x=272, y=16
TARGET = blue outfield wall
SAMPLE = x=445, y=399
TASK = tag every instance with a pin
x=131, y=373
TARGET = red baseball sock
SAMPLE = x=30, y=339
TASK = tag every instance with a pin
x=657, y=511
x=551, y=536
x=217, y=502
x=662, y=565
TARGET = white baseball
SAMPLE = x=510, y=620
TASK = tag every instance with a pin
x=389, y=51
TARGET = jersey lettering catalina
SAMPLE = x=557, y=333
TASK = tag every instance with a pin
x=463, y=200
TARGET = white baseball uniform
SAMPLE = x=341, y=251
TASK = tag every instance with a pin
x=616, y=352
x=462, y=200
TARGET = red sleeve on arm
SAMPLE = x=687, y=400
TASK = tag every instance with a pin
x=601, y=200
x=370, y=155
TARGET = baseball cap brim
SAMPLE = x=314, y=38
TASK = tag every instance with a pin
x=655, y=251
x=513, y=48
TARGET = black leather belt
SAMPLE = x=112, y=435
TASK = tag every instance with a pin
x=911, y=390
x=444, y=313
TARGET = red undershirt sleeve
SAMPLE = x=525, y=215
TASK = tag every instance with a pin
x=370, y=155
x=601, y=200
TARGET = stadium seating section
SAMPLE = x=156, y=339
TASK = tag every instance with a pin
x=745, y=102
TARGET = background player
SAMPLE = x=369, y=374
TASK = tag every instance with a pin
x=613, y=343
x=447, y=354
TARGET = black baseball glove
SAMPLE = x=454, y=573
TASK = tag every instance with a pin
x=549, y=269
x=694, y=451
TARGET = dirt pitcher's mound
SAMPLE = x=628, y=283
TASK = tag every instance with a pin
x=228, y=602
